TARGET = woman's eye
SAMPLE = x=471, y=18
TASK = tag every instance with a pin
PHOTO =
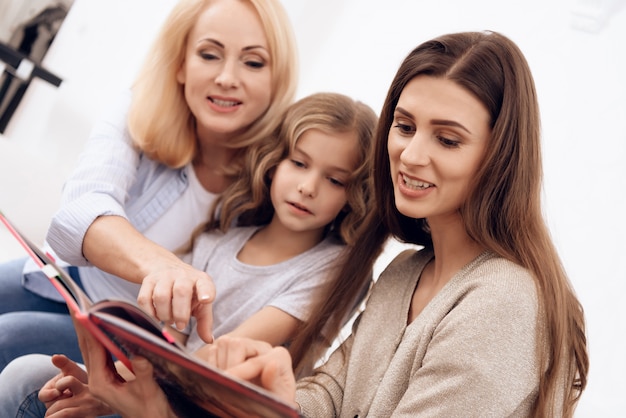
x=404, y=128
x=297, y=163
x=208, y=56
x=255, y=64
x=449, y=143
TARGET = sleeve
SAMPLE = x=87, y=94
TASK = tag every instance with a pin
x=311, y=274
x=99, y=185
x=321, y=394
x=481, y=358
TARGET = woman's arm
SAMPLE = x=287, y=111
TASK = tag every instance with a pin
x=92, y=226
x=98, y=186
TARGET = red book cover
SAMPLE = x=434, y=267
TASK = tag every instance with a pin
x=193, y=388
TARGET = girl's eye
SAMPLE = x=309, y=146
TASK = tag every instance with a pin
x=404, y=128
x=336, y=182
x=448, y=143
x=297, y=163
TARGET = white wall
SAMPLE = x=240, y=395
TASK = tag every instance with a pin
x=354, y=47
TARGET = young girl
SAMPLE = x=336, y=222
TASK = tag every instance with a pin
x=483, y=320
x=301, y=200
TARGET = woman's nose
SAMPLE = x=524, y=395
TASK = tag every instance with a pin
x=416, y=151
x=227, y=77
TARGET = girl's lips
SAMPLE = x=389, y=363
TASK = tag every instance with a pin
x=299, y=207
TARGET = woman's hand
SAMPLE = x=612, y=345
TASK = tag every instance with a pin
x=175, y=293
x=141, y=397
x=257, y=362
x=67, y=394
x=172, y=290
x=138, y=398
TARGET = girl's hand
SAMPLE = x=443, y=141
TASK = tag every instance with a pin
x=174, y=293
x=257, y=362
x=67, y=394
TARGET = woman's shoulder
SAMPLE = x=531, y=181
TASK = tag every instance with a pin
x=487, y=277
x=491, y=269
x=494, y=283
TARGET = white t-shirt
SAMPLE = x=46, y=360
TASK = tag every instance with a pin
x=186, y=214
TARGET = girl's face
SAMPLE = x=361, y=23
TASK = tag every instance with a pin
x=436, y=144
x=227, y=70
x=308, y=188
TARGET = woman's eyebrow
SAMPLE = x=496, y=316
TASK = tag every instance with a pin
x=221, y=45
x=442, y=122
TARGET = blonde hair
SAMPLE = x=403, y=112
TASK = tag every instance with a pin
x=247, y=201
x=160, y=121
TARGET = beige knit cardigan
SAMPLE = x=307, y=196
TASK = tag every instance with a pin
x=471, y=352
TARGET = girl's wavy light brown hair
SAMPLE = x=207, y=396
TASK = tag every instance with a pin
x=502, y=213
x=160, y=122
x=247, y=201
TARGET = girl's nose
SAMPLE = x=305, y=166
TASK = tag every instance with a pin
x=307, y=188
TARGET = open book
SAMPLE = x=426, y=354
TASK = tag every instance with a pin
x=193, y=388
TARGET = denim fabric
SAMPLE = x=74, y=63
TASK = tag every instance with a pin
x=30, y=323
x=31, y=407
x=20, y=382
x=15, y=297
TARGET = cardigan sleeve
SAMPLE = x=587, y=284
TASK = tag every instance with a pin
x=321, y=395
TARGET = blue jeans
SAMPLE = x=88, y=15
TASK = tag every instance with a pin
x=20, y=382
x=30, y=323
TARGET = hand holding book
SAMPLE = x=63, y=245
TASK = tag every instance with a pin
x=192, y=387
x=141, y=397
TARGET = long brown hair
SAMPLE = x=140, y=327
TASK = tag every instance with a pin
x=502, y=213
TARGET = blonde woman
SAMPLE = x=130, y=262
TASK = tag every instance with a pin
x=153, y=167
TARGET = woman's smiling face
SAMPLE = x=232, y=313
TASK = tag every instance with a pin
x=227, y=72
x=436, y=144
